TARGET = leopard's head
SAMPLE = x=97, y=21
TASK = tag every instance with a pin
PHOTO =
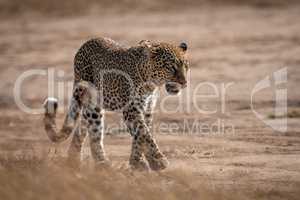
x=169, y=65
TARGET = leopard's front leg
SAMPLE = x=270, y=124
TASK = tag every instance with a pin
x=143, y=141
x=149, y=109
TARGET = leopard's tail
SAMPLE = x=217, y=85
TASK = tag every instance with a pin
x=80, y=96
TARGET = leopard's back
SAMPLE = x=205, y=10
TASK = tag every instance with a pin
x=112, y=68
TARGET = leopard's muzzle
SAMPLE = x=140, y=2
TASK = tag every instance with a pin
x=174, y=88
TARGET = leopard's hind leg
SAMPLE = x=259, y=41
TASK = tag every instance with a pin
x=75, y=153
x=94, y=117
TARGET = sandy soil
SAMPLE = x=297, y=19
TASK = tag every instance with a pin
x=239, y=45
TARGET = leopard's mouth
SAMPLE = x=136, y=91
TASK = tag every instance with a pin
x=173, y=88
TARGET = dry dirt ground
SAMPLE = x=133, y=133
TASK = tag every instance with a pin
x=227, y=45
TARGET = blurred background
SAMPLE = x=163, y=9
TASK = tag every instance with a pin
x=79, y=7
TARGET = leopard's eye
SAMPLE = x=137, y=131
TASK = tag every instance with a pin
x=173, y=69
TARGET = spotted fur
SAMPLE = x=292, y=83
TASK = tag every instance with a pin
x=111, y=77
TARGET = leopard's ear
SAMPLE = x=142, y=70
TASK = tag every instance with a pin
x=146, y=43
x=183, y=46
x=155, y=50
x=153, y=47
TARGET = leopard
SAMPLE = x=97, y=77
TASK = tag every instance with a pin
x=109, y=76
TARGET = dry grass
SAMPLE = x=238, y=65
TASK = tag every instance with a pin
x=30, y=177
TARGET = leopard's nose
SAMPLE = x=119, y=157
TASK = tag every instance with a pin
x=183, y=83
